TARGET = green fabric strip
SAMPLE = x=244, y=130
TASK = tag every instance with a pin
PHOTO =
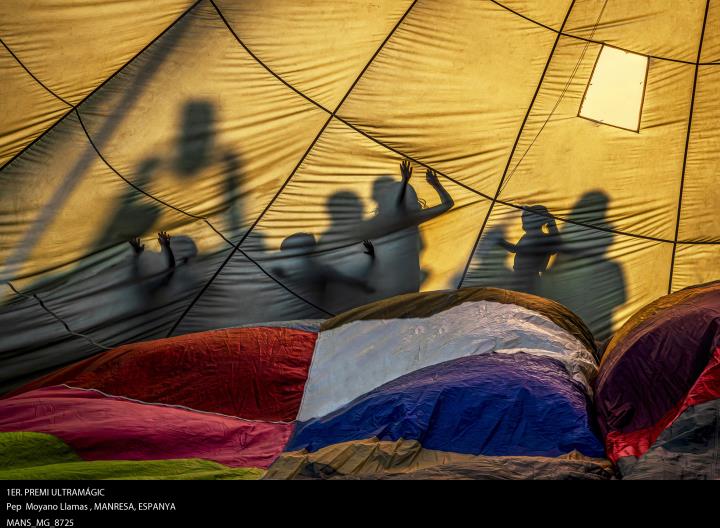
x=38, y=456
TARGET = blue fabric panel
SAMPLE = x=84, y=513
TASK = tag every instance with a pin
x=490, y=404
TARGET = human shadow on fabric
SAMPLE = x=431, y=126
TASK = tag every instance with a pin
x=135, y=214
x=124, y=289
x=197, y=160
x=153, y=271
x=310, y=274
x=198, y=164
x=539, y=242
x=358, y=260
x=195, y=144
x=571, y=266
x=315, y=269
x=131, y=93
x=583, y=277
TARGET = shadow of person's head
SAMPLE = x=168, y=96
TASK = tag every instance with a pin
x=386, y=192
x=197, y=136
x=591, y=208
x=345, y=208
x=298, y=244
x=184, y=247
x=590, y=211
x=534, y=217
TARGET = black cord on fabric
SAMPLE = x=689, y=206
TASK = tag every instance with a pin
x=130, y=183
x=236, y=247
x=75, y=108
x=590, y=40
x=61, y=119
x=557, y=103
x=261, y=63
x=31, y=74
x=513, y=205
x=99, y=86
x=140, y=189
x=56, y=317
x=319, y=308
x=347, y=123
x=419, y=162
x=297, y=166
x=332, y=114
x=515, y=144
x=401, y=154
x=685, y=155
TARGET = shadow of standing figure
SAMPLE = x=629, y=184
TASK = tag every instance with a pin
x=488, y=265
x=196, y=142
x=197, y=150
x=539, y=242
x=306, y=272
x=583, y=277
x=394, y=233
x=135, y=289
x=135, y=214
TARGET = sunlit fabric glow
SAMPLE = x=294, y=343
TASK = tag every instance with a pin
x=175, y=166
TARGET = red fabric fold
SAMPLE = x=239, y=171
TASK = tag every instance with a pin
x=636, y=443
x=100, y=427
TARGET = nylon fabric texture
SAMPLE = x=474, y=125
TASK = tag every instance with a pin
x=175, y=166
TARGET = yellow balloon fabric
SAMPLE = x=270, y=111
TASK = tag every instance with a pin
x=566, y=148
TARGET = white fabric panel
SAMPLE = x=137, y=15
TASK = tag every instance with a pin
x=560, y=156
x=616, y=89
x=362, y=355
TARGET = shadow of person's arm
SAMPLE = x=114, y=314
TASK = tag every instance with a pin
x=403, y=217
x=495, y=237
x=406, y=174
x=138, y=248
x=164, y=240
x=509, y=247
x=332, y=275
x=446, y=200
x=553, y=237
